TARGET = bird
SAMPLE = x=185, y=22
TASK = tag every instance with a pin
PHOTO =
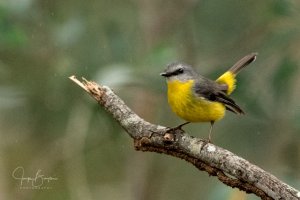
x=196, y=98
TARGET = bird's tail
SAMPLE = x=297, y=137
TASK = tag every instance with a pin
x=228, y=78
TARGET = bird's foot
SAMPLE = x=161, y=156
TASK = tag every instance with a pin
x=174, y=129
x=205, y=142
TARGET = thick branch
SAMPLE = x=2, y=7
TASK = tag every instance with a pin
x=231, y=169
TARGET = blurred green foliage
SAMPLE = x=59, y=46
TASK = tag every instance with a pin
x=48, y=123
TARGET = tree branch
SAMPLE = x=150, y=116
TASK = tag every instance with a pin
x=230, y=169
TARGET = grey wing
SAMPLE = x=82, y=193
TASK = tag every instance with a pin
x=213, y=91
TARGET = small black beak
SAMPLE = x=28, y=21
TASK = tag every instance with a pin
x=163, y=74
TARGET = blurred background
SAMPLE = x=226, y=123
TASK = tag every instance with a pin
x=48, y=123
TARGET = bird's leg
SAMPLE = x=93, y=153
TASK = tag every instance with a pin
x=210, y=131
x=181, y=125
x=205, y=141
x=178, y=127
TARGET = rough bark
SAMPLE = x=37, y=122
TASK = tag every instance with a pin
x=229, y=168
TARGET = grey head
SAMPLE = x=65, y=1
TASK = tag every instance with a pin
x=179, y=71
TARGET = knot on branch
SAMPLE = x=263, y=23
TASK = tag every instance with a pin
x=155, y=139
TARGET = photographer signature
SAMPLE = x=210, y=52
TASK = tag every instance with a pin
x=36, y=181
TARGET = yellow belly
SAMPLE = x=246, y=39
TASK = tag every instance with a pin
x=192, y=108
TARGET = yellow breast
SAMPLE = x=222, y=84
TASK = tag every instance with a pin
x=191, y=108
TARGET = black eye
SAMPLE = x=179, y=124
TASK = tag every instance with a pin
x=180, y=70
